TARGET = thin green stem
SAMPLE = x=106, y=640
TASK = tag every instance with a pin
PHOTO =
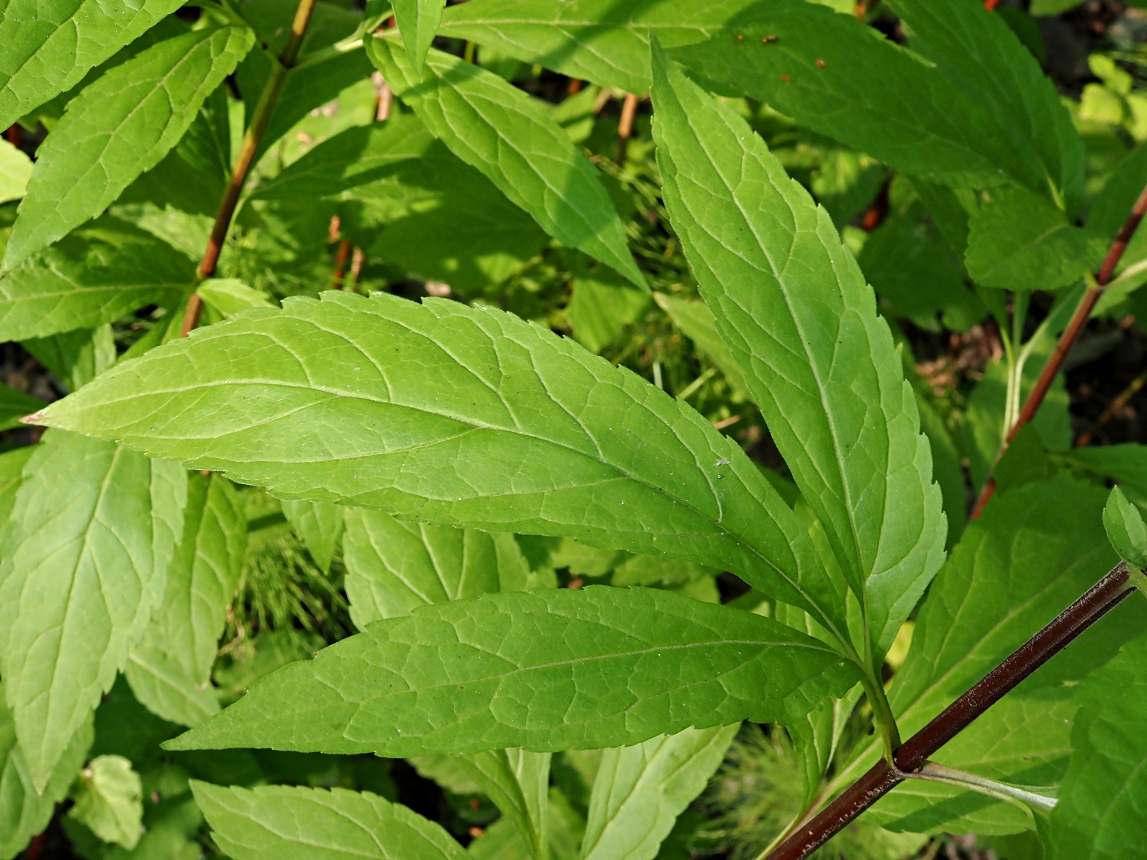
x=313, y=58
x=881, y=714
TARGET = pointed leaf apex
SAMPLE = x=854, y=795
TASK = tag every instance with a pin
x=1125, y=529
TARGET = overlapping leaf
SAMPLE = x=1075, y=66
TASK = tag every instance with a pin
x=117, y=128
x=522, y=431
x=91, y=277
x=85, y=555
x=501, y=131
x=319, y=525
x=170, y=668
x=542, y=670
x=50, y=46
x=793, y=306
x=418, y=22
x=280, y=823
x=15, y=168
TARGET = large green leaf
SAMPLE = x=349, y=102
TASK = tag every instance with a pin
x=24, y=811
x=11, y=476
x=84, y=561
x=981, y=55
x=418, y=22
x=15, y=168
x=91, y=277
x=511, y=138
x=394, y=566
x=1034, y=550
x=49, y=46
x=117, y=128
x=793, y=306
x=599, y=40
x=522, y=431
x=542, y=670
x=280, y=823
x=1101, y=814
x=640, y=790
x=170, y=668
x=844, y=79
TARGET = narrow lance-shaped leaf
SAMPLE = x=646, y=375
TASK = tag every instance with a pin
x=281, y=823
x=640, y=790
x=503, y=132
x=116, y=129
x=49, y=46
x=418, y=22
x=395, y=566
x=522, y=431
x=91, y=277
x=84, y=558
x=542, y=670
x=170, y=668
x=794, y=307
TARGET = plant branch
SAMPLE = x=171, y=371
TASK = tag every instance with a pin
x=254, y=134
x=914, y=754
x=1070, y=335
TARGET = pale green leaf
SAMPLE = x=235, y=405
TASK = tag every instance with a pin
x=1034, y=551
x=597, y=40
x=1101, y=813
x=543, y=670
x=108, y=799
x=602, y=303
x=640, y=791
x=697, y=323
x=11, y=475
x=15, y=168
x=794, y=308
x=91, y=277
x=170, y=668
x=117, y=128
x=1125, y=529
x=522, y=431
x=49, y=46
x=85, y=557
x=14, y=405
x=228, y=296
x=1021, y=241
x=319, y=525
x=417, y=22
x=844, y=79
x=394, y=566
x=24, y=812
x=280, y=823
x=981, y=55
x=511, y=138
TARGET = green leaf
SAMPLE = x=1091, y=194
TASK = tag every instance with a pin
x=794, y=308
x=418, y=22
x=117, y=128
x=91, y=277
x=84, y=559
x=49, y=46
x=640, y=791
x=394, y=566
x=14, y=405
x=15, y=168
x=696, y=321
x=1034, y=551
x=1022, y=241
x=523, y=431
x=75, y=357
x=170, y=668
x=980, y=54
x=24, y=811
x=844, y=79
x=1126, y=464
x=497, y=128
x=1100, y=814
x=281, y=823
x=1125, y=529
x=319, y=525
x=108, y=799
x=602, y=303
x=597, y=40
x=11, y=475
x=228, y=296
x=543, y=670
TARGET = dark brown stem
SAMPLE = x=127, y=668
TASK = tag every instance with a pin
x=15, y=135
x=254, y=134
x=882, y=777
x=1068, y=338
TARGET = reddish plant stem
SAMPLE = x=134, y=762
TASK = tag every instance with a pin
x=915, y=752
x=1068, y=338
x=991, y=5
x=625, y=126
x=15, y=135
x=341, y=257
x=254, y=134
